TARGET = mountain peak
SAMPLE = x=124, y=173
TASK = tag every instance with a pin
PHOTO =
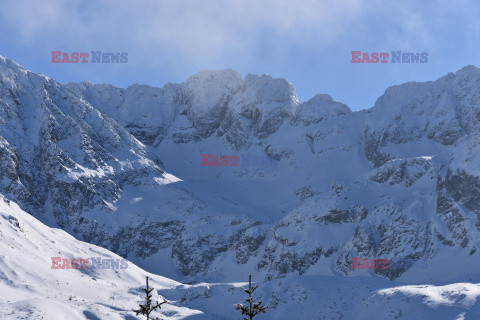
x=226, y=75
x=12, y=65
x=321, y=98
x=320, y=107
x=468, y=69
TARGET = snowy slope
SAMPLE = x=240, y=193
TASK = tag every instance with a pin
x=31, y=289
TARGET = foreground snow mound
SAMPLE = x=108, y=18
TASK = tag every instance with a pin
x=454, y=301
x=31, y=289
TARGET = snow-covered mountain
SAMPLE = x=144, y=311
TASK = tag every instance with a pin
x=316, y=184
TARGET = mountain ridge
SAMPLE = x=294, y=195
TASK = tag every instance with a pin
x=112, y=170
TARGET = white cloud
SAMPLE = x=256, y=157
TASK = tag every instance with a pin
x=193, y=30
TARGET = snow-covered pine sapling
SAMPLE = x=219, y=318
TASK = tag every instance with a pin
x=147, y=308
x=250, y=309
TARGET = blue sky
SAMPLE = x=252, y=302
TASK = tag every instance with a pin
x=307, y=42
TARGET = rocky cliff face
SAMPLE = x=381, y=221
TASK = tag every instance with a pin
x=122, y=168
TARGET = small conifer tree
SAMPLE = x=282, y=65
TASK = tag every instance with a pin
x=147, y=308
x=250, y=309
